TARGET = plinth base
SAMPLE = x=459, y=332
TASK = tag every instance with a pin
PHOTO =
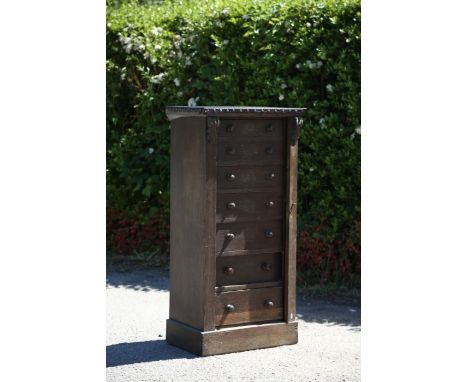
x=229, y=340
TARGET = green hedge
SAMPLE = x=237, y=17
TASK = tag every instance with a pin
x=299, y=53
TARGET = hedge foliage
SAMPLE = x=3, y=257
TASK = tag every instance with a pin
x=299, y=53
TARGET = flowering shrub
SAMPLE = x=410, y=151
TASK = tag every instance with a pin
x=299, y=53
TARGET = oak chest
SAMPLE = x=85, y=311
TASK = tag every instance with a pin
x=233, y=228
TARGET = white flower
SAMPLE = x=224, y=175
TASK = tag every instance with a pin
x=158, y=78
x=176, y=82
x=193, y=101
x=151, y=150
x=358, y=130
x=157, y=47
x=319, y=64
x=311, y=169
x=298, y=66
x=246, y=17
x=156, y=31
x=128, y=48
x=125, y=40
x=180, y=94
x=188, y=61
x=329, y=88
x=281, y=97
x=308, y=25
x=284, y=86
x=310, y=64
x=225, y=42
x=225, y=12
x=141, y=47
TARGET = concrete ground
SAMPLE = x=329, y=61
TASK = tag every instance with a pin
x=138, y=305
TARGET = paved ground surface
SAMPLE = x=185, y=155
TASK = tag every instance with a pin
x=137, y=307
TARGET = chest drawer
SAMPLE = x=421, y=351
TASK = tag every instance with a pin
x=237, y=177
x=267, y=128
x=248, y=306
x=249, y=236
x=232, y=207
x=236, y=270
x=244, y=150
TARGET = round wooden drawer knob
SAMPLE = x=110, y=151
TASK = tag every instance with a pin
x=266, y=267
x=230, y=236
x=230, y=150
x=230, y=177
x=269, y=233
x=269, y=304
x=229, y=307
x=271, y=175
x=270, y=203
x=228, y=270
x=231, y=205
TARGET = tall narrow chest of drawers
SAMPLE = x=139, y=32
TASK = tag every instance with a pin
x=233, y=228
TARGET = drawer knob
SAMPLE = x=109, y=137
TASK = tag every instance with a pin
x=230, y=236
x=269, y=233
x=269, y=304
x=230, y=150
x=228, y=270
x=269, y=150
x=231, y=205
x=229, y=307
x=270, y=203
x=230, y=177
x=229, y=128
x=266, y=267
x=271, y=175
x=269, y=128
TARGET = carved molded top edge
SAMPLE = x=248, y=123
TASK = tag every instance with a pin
x=174, y=112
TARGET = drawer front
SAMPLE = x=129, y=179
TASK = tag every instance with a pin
x=238, y=150
x=236, y=177
x=235, y=270
x=269, y=128
x=248, y=306
x=255, y=235
x=234, y=207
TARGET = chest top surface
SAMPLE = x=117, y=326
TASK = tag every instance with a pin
x=174, y=112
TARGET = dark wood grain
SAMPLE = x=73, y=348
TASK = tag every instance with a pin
x=249, y=269
x=212, y=125
x=184, y=336
x=231, y=339
x=249, y=306
x=249, y=236
x=243, y=128
x=243, y=338
x=237, y=207
x=291, y=224
x=250, y=176
x=250, y=152
x=188, y=237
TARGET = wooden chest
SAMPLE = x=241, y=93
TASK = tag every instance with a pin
x=233, y=228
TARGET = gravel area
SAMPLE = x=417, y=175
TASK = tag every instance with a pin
x=138, y=305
